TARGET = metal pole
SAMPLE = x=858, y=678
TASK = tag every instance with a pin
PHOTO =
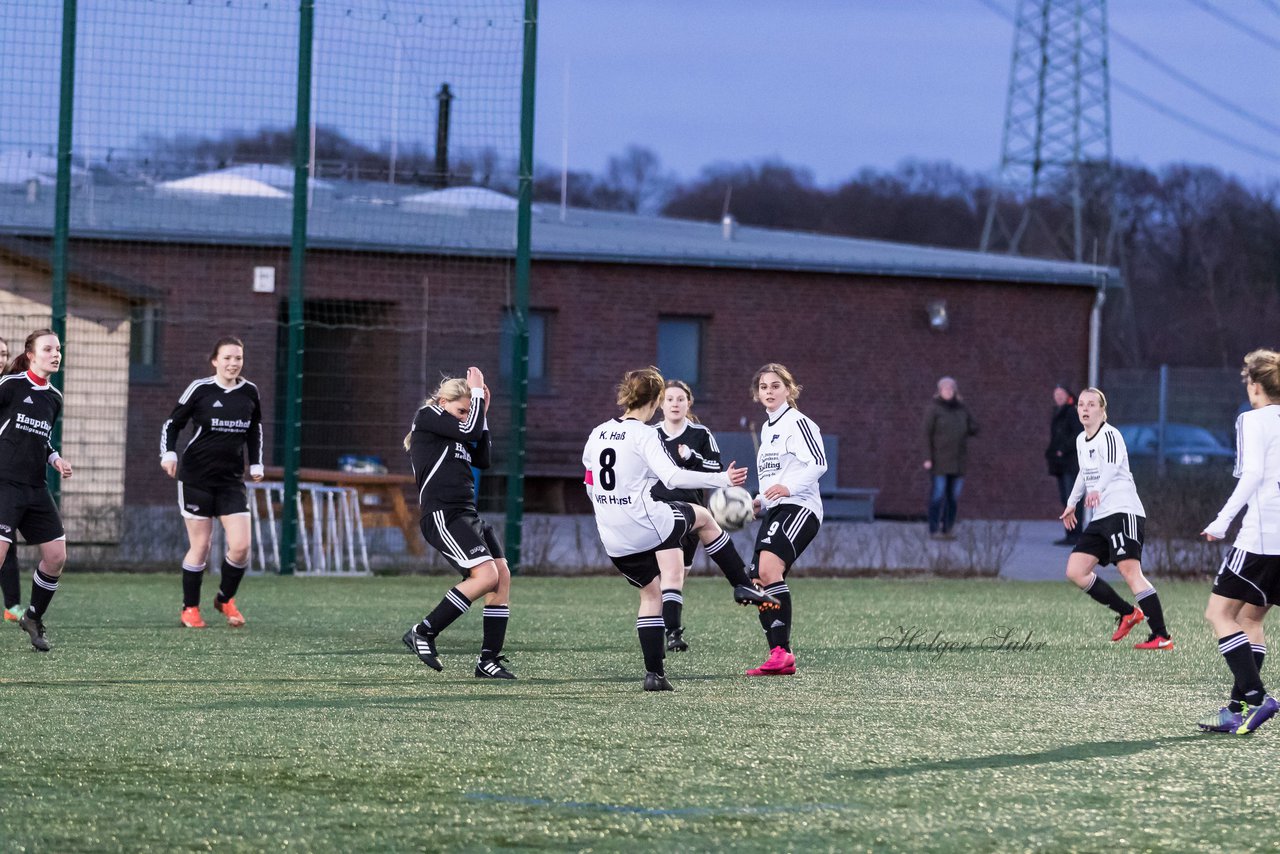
x=62, y=209
x=297, y=270
x=1162, y=417
x=520, y=311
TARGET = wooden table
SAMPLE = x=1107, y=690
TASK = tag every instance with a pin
x=388, y=509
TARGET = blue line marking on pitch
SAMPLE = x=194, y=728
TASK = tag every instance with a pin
x=651, y=811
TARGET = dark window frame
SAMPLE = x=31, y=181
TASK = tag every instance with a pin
x=699, y=323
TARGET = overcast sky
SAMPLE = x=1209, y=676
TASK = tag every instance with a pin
x=831, y=85
x=836, y=85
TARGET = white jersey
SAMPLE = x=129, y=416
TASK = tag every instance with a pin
x=624, y=459
x=791, y=453
x=1104, y=468
x=1258, y=467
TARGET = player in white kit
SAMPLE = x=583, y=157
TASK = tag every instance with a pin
x=623, y=458
x=789, y=462
x=1115, y=535
x=1248, y=582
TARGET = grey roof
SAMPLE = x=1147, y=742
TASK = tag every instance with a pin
x=370, y=217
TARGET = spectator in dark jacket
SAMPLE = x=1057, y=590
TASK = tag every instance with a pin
x=1061, y=454
x=948, y=424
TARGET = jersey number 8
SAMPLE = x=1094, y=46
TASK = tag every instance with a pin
x=608, y=477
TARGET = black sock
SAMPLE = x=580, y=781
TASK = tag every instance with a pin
x=672, y=608
x=192, y=576
x=651, y=630
x=776, y=622
x=495, y=629
x=1236, y=650
x=1237, y=695
x=1102, y=593
x=42, y=589
x=451, y=607
x=1149, y=602
x=231, y=576
x=721, y=551
x=10, y=583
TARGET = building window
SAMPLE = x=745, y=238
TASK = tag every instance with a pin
x=680, y=349
x=144, y=342
x=539, y=381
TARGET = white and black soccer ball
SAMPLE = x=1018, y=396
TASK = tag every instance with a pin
x=731, y=507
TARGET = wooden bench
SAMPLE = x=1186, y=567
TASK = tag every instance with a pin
x=382, y=501
x=855, y=503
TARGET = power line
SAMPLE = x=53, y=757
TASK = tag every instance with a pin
x=1236, y=22
x=1222, y=102
x=1183, y=118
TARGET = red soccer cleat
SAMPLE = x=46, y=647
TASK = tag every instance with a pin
x=1127, y=622
x=191, y=618
x=779, y=663
x=1155, y=642
x=229, y=610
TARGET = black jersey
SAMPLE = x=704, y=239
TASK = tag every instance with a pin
x=227, y=420
x=28, y=410
x=704, y=455
x=442, y=451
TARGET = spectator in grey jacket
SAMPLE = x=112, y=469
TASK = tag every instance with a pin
x=948, y=424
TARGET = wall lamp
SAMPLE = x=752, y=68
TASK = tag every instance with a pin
x=938, y=318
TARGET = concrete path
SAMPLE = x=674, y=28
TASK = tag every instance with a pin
x=1016, y=550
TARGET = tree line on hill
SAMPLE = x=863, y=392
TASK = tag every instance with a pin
x=1199, y=250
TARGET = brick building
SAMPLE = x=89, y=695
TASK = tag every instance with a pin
x=399, y=290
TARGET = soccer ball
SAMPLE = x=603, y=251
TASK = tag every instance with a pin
x=731, y=507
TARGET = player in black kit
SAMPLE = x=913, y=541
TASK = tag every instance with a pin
x=29, y=407
x=227, y=416
x=450, y=435
x=10, y=584
x=691, y=446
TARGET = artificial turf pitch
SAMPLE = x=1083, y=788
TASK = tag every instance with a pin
x=314, y=729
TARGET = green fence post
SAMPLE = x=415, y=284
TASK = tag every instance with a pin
x=520, y=311
x=62, y=209
x=297, y=270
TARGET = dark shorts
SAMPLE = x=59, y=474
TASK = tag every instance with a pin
x=1247, y=577
x=786, y=531
x=641, y=568
x=29, y=510
x=1113, y=538
x=199, y=503
x=465, y=540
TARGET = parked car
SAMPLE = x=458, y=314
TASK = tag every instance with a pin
x=1184, y=444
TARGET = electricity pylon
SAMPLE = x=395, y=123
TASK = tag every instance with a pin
x=1057, y=129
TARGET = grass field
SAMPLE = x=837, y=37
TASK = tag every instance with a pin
x=314, y=729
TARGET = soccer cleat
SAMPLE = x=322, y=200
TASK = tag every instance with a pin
x=424, y=648
x=656, y=682
x=676, y=641
x=229, y=610
x=1223, y=720
x=191, y=618
x=779, y=663
x=1155, y=642
x=1125, y=624
x=1253, y=716
x=35, y=627
x=745, y=594
x=12, y=615
x=491, y=668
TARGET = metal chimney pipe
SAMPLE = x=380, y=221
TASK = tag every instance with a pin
x=445, y=98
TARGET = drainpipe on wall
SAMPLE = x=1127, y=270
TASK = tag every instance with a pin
x=1095, y=330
